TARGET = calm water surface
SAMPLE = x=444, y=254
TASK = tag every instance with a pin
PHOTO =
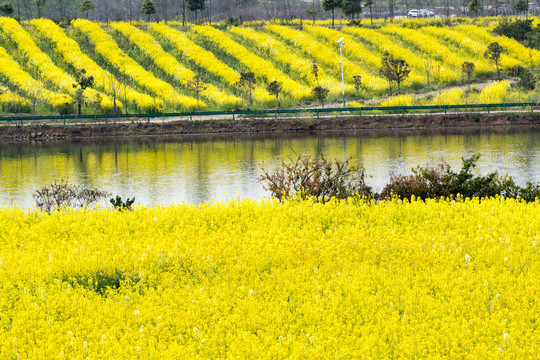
x=200, y=169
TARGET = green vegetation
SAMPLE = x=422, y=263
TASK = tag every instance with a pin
x=321, y=179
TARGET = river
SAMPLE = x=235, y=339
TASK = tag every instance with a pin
x=198, y=169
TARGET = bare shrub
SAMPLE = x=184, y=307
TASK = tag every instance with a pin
x=64, y=194
x=315, y=177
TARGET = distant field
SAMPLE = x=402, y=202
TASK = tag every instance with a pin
x=146, y=67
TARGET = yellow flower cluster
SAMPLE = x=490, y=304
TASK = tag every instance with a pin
x=517, y=53
x=169, y=64
x=260, y=67
x=349, y=279
x=431, y=47
x=299, y=65
x=69, y=50
x=399, y=100
x=449, y=97
x=109, y=50
x=7, y=96
x=474, y=49
x=495, y=93
x=327, y=56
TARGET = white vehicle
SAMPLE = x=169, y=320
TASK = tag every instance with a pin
x=413, y=14
x=427, y=12
x=420, y=13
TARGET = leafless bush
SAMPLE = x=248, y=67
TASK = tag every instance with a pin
x=64, y=194
x=315, y=177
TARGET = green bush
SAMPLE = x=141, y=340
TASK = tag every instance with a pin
x=514, y=28
x=320, y=179
x=65, y=108
x=441, y=181
x=119, y=204
x=16, y=107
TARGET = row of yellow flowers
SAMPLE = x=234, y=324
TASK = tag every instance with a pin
x=261, y=68
x=169, y=64
x=38, y=61
x=517, y=53
x=278, y=52
x=348, y=279
x=26, y=84
x=70, y=51
x=327, y=56
x=109, y=50
x=387, y=44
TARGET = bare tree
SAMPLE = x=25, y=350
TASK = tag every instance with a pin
x=197, y=85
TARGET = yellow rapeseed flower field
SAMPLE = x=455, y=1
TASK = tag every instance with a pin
x=244, y=279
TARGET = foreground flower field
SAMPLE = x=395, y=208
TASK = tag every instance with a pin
x=268, y=280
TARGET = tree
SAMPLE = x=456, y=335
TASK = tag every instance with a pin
x=474, y=6
x=37, y=94
x=315, y=72
x=246, y=84
x=331, y=5
x=394, y=70
x=6, y=9
x=312, y=11
x=194, y=5
x=114, y=88
x=493, y=53
x=83, y=82
x=320, y=94
x=467, y=69
x=521, y=6
x=351, y=7
x=87, y=6
x=197, y=85
x=428, y=66
x=148, y=8
x=275, y=88
x=39, y=4
x=357, y=84
x=370, y=4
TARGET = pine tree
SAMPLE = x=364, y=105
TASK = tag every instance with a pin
x=331, y=5
x=87, y=6
x=148, y=8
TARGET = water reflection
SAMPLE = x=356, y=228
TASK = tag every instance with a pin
x=199, y=169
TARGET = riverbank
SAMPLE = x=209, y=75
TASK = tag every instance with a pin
x=197, y=127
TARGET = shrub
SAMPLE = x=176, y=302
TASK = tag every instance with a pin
x=441, y=181
x=15, y=106
x=119, y=204
x=65, y=194
x=316, y=177
x=66, y=108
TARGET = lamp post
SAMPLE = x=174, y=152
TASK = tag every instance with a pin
x=341, y=43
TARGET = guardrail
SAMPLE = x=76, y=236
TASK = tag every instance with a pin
x=358, y=111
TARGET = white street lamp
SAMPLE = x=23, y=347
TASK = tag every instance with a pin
x=341, y=43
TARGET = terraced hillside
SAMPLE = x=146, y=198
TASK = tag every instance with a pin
x=156, y=67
